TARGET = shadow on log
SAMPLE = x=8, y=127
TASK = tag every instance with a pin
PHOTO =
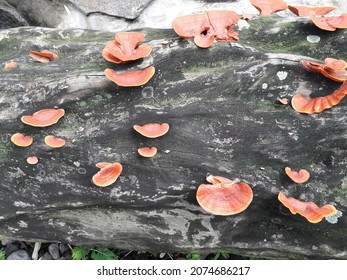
x=221, y=104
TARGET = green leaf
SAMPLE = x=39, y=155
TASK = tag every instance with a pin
x=2, y=254
x=193, y=256
x=80, y=252
x=102, y=253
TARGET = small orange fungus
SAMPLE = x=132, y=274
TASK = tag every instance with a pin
x=223, y=196
x=302, y=10
x=268, y=7
x=54, y=142
x=10, y=65
x=21, y=140
x=44, y=117
x=329, y=23
x=32, y=160
x=206, y=27
x=107, y=175
x=132, y=78
x=332, y=68
x=147, y=152
x=43, y=56
x=304, y=104
x=152, y=130
x=283, y=100
x=299, y=177
x=310, y=210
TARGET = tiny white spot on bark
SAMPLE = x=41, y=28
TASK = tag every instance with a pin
x=282, y=75
x=313, y=38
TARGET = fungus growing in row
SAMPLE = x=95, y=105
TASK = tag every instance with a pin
x=304, y=104
x=268, y=7
x=132, y=78
x=54, y=142
x=126, y=47
x=329, y=23
x=206, y=27
x=147, y=152
x=302, y=10
x=107, y=175
x=21, y=140
x=299, y=177
x=152, y=130
x=32, y=160
x=44, y=117
x=311, y=211
x=43, y=56
x=10, y=65
x=224, y=197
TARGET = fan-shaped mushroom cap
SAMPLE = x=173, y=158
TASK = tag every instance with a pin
x=309, y=210
x=43, y=56
x=224, y=198
x=302, y=10
x=191, y=25
x=107, y=175
x=102, y=164
x=204, y=40
x=152, y=130
x=44, y=117
x=221, y=22
x=299, y=177
x=32, y=160
x=334, y=64
x=147, y=152
x=54, y=142
x=268, y=7
x=132, y=78
x=307, y=105
x=329, y=23
x=10, y=65
x=128, y=41
x=112, y=49
x=338, y=21
x=110, y=57
x=21, y=140
x=332, y=68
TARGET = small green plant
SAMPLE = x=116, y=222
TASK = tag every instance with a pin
x=224, y=254
x=2, y=254
x=87, y=253
x=193, y=256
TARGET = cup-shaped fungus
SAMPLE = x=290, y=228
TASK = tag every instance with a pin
x=147, y=152
x=43, y=56
x=54, y=142
x=132, y=78
x=21, y=140
x=44, y=117
x=107, y=175
x=126, y=47
x=302, y=10
x=329, y=23
x=310, y=210
x=332, y=68
x=223, y=196
x=299, y=177
x=304, y=104
x=268, y=7
x=152, y=130
x=32, y=160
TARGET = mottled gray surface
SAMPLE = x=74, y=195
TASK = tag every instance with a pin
x=222, y=106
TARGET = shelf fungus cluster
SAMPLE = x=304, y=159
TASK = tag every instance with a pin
x=151, y=130
x=223, y=196
x=207, y=27
x=126, y=48
x=43, y=56
x=108, y=174
x=268, y=7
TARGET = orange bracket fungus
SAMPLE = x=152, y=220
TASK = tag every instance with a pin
x=132, y=78
x=206, y=27
x=304, y=104
x=152, y=130
x=32, y=160
x=21, y=140
x=43, y=56
x=299, y=177
x=44, y=117
x=102, y=164
x=147, y=152
x=223, y=196
x=329, y=23
x=10, y=65
x=107, y=175
x=310, y=210
x=268, y=7
x=302, y=10
x=54, y=142
x=332, y=68
x=126, y=48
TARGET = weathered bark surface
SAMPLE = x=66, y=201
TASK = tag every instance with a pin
x=225, y=120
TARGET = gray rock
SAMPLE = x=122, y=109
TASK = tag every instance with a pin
x=9, y=17
x=46, y=257
x=53, y=249
x=10, y=248
x=63, y=248
x=6, y=242
x=19, y=255
x=221, y=104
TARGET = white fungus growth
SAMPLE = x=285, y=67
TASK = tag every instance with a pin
x=313, y=38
